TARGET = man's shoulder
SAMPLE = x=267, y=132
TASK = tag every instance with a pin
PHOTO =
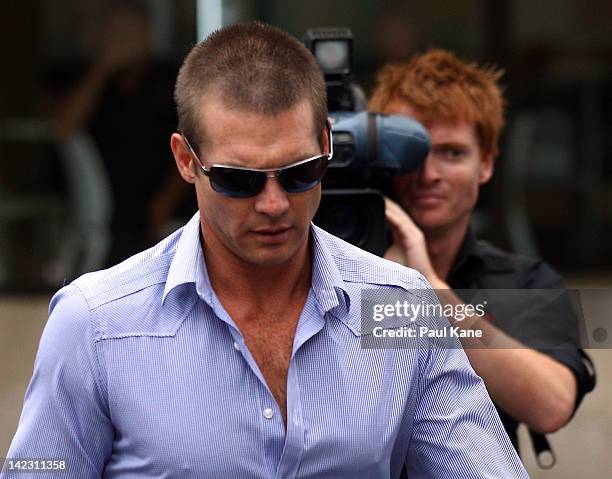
x=356, y=265
x=132, y=276
x=126, y=299
x=529, y=270
x=495, y=255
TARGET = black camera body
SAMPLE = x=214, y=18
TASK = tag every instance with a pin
x=369, y=148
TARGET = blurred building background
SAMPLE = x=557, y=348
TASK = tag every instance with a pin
x=87, y=178
x=80, y=192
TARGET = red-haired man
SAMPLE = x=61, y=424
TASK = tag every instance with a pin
x=461, y=105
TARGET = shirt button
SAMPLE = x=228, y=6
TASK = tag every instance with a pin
x=236, y=347
x=268, y=413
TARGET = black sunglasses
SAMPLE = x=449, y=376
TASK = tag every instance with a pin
x=241, y=182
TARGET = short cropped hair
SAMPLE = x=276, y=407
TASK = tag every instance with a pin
x=439, y=86
x=253, y=67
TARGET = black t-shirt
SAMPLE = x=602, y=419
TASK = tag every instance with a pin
x=551, y=327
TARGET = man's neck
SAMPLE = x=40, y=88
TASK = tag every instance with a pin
x=259, y=286
x=443, y=246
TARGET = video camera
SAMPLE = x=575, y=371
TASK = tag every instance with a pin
x=369, y=148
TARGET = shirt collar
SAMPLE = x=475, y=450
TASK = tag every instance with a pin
x=327, y=283
x=469, y=247
x=188, y=266
x=188, y=259
x=467, y=251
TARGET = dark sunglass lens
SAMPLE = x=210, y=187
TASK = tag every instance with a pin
x=236, y=183
x=305, y=176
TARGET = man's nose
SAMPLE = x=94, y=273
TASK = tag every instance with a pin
x=429, y=173
x=272, y=200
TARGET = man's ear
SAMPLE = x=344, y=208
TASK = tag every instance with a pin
x=326, y=136
x=183, y=157
x=485, y=172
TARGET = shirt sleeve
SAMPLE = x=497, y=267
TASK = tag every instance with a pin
x=457, y=431
x=64, y=414
x=557, y=322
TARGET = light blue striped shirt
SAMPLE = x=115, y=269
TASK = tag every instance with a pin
x=141, y=373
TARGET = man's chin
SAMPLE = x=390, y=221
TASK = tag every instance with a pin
x=429, y=219
x=262, y=251
x=269, y=257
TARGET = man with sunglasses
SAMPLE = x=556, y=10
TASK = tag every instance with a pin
x=234, y=347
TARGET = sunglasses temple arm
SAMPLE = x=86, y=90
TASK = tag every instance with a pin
x=193, y=153
x=331, y=141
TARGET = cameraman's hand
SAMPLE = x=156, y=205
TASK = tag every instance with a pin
x=409, y=247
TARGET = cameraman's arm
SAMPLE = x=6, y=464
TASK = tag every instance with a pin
x=528, y=385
